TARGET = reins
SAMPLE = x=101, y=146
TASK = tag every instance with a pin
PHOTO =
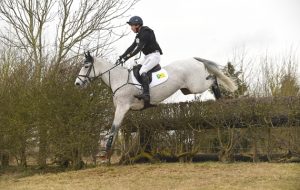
x=92, y=67
x=127, y=82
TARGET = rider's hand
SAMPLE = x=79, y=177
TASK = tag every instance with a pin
x=121, y=60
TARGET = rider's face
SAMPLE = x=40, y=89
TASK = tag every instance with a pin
x=135, y=28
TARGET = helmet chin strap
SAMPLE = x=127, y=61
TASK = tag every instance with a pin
x=137, y=29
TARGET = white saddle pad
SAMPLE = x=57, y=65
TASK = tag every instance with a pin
x=158, y=77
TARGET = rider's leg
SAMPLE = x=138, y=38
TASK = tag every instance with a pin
x=148, y=63
x=145, y=85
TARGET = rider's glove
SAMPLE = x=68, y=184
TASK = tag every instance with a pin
x=125, y=57
x=121, y=60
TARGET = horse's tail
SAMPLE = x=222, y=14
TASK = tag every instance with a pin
x=212, y=68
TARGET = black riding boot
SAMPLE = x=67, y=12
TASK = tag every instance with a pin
x=145, y=85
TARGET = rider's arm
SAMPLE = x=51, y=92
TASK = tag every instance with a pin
x=144, y=38
x=130, y=49
x=137, y=50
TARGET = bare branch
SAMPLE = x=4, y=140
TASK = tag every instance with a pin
x=78, y=24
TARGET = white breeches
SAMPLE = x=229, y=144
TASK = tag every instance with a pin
x=150, y=61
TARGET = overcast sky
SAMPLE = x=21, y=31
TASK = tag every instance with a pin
x=214, y=29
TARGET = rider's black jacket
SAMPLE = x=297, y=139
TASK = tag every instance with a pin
x=145, y=41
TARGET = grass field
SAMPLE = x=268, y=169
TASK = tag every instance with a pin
x=208, y=175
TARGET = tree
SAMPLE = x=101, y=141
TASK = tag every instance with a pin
x=89, y=23
x=278, y=75
x=289, y=86
x=241, y=84
x=46, y=35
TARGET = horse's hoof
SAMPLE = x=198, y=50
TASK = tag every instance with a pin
x=105, y=161
x=104, y=155
x=104, y=158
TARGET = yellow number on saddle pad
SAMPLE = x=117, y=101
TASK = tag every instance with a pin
x=160, y=75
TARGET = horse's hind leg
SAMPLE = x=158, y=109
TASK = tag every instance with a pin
x=196, y=84
x=216, y=89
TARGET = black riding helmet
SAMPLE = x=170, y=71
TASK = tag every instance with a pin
x=135, y=20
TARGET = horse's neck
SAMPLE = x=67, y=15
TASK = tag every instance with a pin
x=111, y=78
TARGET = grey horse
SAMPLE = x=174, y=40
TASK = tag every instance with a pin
x=191, y=76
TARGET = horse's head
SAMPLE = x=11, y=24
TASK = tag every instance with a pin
x=87, y=72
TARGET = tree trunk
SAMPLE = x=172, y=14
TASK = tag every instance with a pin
x=254, y=137
x=126, y=148
x=42, y=149
x=225, y=156
x=77, y=162
x=145, y=139
x=23, y=159
x=4, y=159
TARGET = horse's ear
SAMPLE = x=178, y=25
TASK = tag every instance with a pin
x=88, y=54
x=85, y=55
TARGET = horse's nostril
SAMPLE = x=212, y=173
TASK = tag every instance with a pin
x=77, y=83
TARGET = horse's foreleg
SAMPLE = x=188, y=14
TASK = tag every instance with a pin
x=119, y=116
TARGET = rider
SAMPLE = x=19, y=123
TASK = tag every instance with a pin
x=145, y=41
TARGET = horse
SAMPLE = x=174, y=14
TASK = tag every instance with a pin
x=191, y=76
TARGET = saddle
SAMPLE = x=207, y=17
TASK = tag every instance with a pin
x=136, y=72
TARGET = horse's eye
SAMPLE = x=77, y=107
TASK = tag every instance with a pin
x=87, y=64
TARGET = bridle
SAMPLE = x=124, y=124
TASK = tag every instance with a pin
x=91, y=68
x=88, y=63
